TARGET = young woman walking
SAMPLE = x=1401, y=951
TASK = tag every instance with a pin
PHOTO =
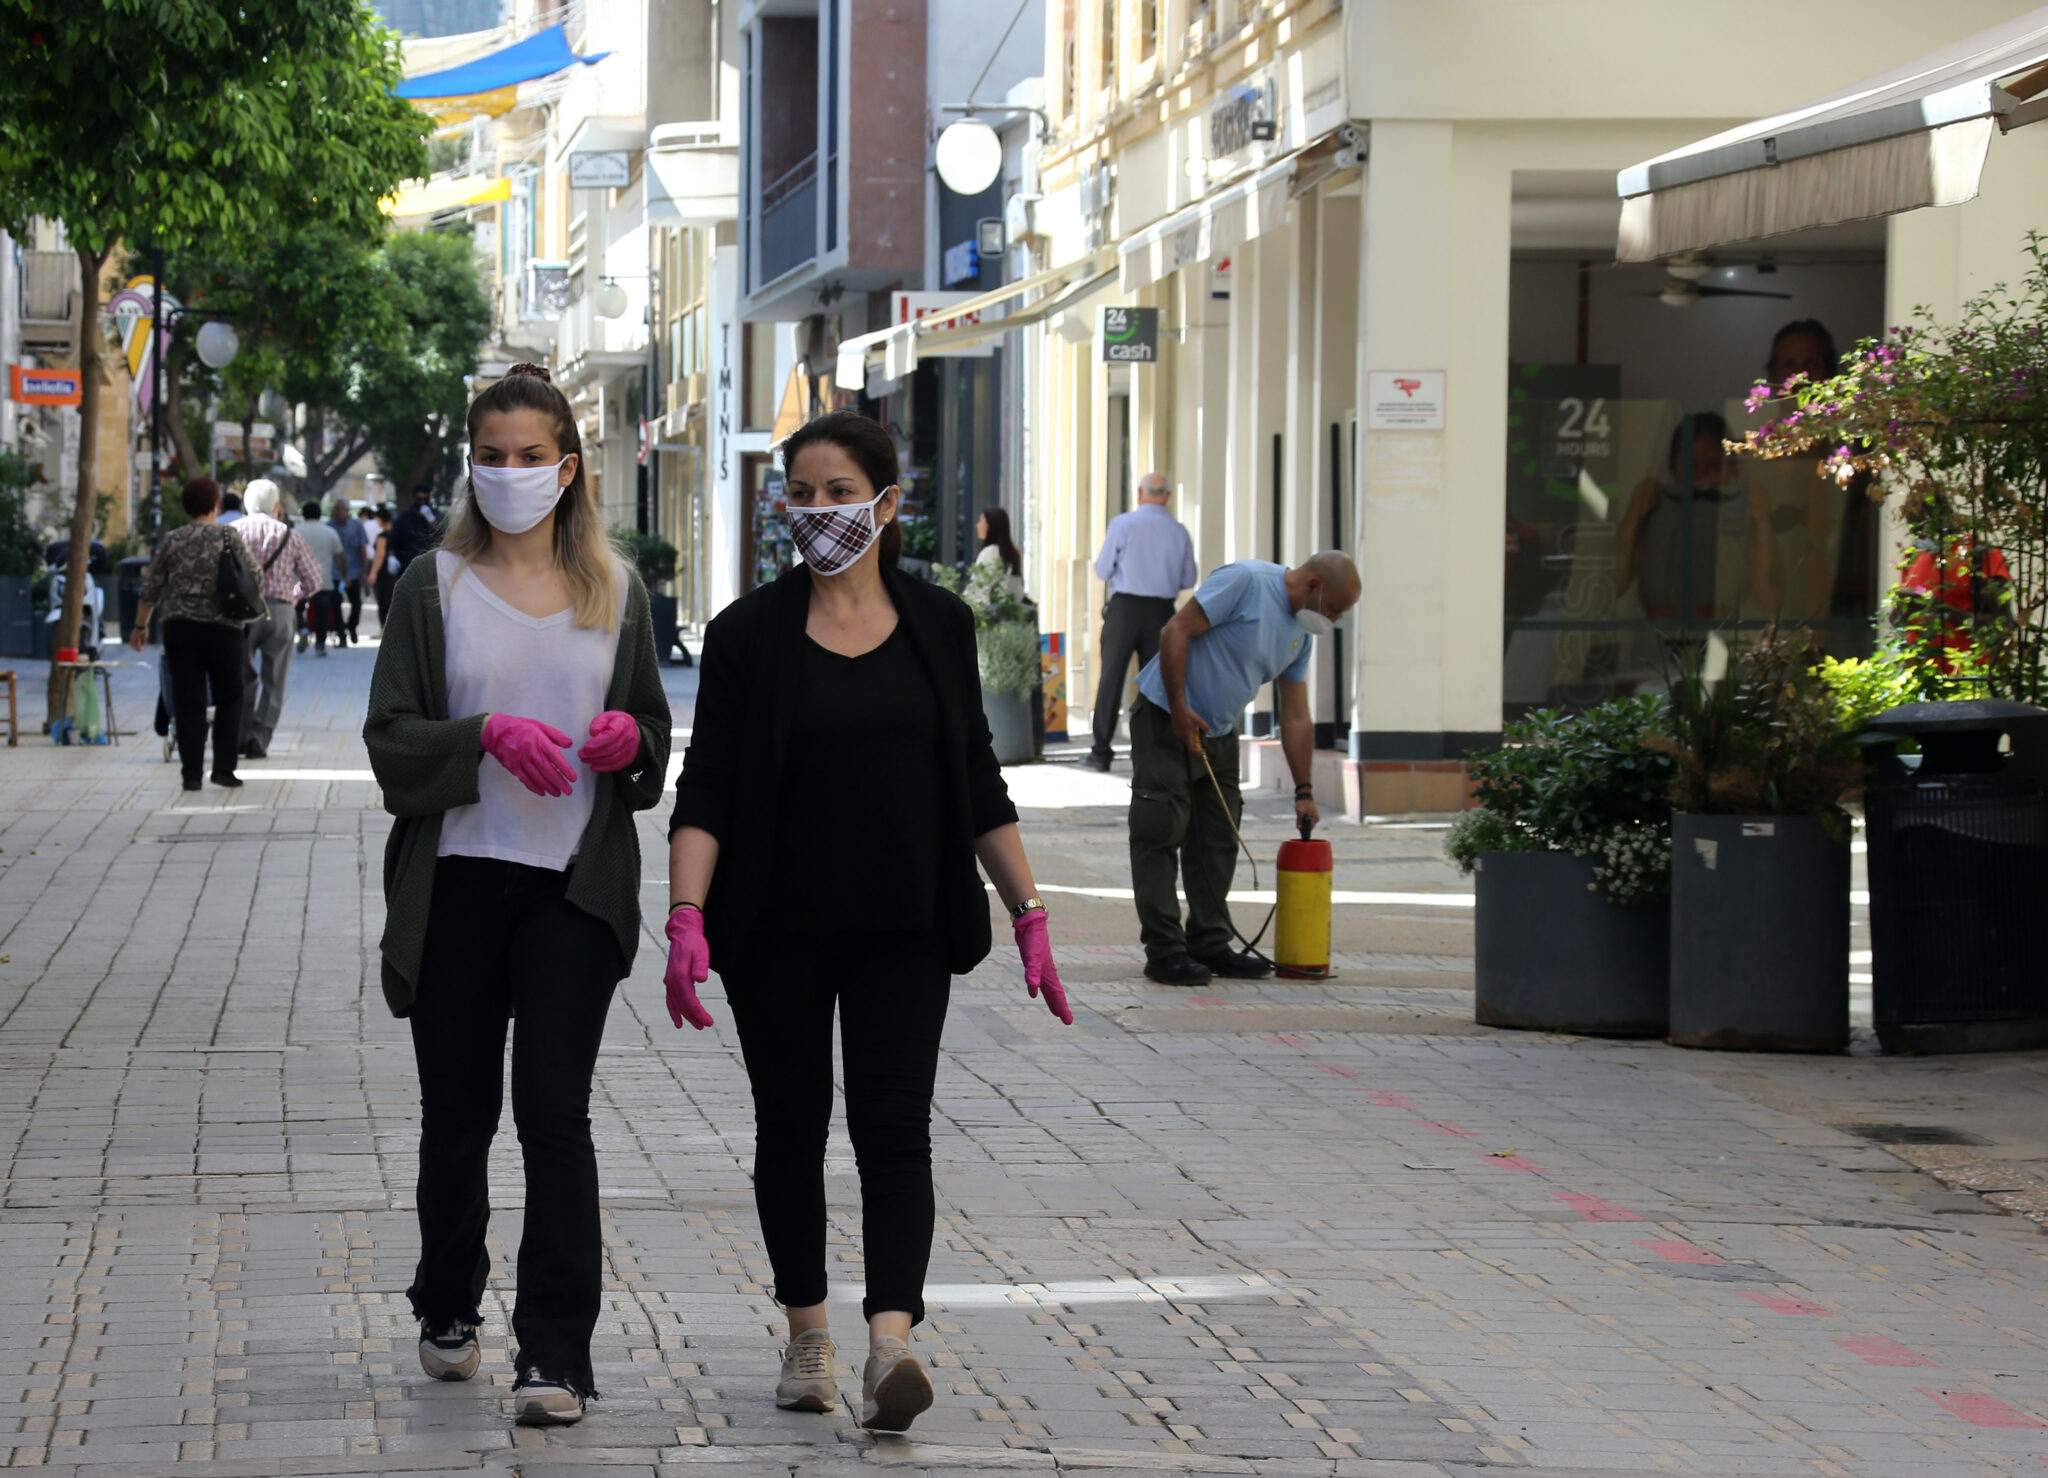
x=512, y=876
x=838, y=790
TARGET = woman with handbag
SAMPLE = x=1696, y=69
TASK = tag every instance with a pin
x=839, y=789
x=202, y=635
x=512, y=875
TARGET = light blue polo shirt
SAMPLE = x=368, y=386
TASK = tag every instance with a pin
x=1251, y=640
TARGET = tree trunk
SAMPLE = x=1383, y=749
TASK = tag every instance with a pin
x=181, y=434
x=248, y=426
x=335, y=462
x=82, y=508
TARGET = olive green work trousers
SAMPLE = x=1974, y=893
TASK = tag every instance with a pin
x=1181, y=831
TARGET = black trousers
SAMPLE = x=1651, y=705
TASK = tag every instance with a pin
x=353, y=591
x=386, y=582
x=1130, y=628
x=324, y=619
x=505, y=947
x=891, y=992
x=202, y=654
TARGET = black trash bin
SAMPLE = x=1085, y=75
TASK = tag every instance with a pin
x=128, y=593
x=1958, y=878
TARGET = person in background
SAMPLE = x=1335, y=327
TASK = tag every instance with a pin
x=839, y=789
x=289, y=570
x=412, y=532
x=512, y=876
x=1250, y=623
x=1732, y=571
x=356, y=536
x=1147, y=560
x=202, y=644
x=320, y=612
x=385, y=563
x=230, y=508
x=997, y=548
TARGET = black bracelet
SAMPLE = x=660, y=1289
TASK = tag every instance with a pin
x=684, y=904
x=1304, y=790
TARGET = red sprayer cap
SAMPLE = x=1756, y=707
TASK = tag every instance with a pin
x=1300, y=856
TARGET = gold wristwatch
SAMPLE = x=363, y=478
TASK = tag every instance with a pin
x=1027, y=906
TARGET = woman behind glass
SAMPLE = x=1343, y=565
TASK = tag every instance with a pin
x=839, y=788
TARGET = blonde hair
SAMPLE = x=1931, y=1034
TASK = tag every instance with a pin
x=590, y=566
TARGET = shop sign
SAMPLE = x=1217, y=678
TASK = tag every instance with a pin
x=1249, y=113
x=44, y=386
x=600, y=169
x=227, y=441
x=1404, y=400
x=931, y=307
x=1130, y=335
x=962, y=262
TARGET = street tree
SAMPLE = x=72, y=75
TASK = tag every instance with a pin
x=181, y=123
x=408, y=394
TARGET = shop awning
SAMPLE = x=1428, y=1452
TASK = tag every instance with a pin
x=1911, y=137
x=540, y=55
x=1218, y=224
x=430, y=197
x=895, y=349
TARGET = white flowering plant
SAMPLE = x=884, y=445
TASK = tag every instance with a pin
x=1591, y=784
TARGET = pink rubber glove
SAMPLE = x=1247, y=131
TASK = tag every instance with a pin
x=614, y=742
x=526, y=747
x=1040, y=973
x=689, y=962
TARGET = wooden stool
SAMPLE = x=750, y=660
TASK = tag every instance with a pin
x=13, y=725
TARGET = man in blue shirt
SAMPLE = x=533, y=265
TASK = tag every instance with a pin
x=1147, y=559
x=1249, y=624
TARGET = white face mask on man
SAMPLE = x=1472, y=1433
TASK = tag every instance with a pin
x=1314, y=622
x=514, y=499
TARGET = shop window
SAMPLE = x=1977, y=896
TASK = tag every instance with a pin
x=1634, y=535
x=1105, y=76
x=1148, y=29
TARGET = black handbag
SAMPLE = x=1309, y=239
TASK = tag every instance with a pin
x=239, y=592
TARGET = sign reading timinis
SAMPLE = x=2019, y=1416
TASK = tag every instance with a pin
x=1130, y=335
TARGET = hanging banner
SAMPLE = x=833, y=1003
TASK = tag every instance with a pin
x=44, y=386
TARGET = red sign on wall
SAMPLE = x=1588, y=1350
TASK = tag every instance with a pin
x=44, y=386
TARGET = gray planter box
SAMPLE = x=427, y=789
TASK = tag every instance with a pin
x=1010, y=724
x=1759, y=934
x=1552, y=953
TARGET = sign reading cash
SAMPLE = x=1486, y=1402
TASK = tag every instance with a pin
x=1130, y=335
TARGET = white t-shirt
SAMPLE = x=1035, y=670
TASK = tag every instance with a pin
x=501, y=660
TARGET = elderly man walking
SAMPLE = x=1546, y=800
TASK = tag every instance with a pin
x=1249, y=624
x=289, y=571
x=1147, y=560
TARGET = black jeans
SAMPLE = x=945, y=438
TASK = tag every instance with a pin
x=202, y=654
x=1130, y=628
x=891, y=990
x=502, y=940
x=353, y=591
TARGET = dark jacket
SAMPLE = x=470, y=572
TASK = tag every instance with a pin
x=426, y=763
x=732, y=779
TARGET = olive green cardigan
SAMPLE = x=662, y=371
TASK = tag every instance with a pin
x=427, y=763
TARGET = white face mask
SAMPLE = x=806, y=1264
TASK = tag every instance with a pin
x=514, y=499
x=1315, y=623
x=833, y=536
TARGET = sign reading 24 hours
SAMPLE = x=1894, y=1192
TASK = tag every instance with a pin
x=1130, y=335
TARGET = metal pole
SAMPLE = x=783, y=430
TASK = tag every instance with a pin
x=156, y=389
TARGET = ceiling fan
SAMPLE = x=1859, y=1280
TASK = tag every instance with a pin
x=1682, y=288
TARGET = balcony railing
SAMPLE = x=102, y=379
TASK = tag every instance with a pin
x=48, y=279
x=789, y=220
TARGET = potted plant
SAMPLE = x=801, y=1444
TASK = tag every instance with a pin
x=1006, y=640
x=655, y=558
x=1760, y=852
x=1570, y=844
x=21, y=561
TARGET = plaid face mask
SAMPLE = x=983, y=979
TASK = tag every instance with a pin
x=833, y=537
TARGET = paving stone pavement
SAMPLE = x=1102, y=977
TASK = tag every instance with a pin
x=1329, y=1229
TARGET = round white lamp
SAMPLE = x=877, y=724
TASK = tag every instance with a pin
x=969, y=156
x=610, y=300
x=218, y=344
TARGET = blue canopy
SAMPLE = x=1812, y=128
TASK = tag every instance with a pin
x=540, y=55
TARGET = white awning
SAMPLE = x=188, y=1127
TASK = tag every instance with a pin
x=1218, y=224
x=1911, y=137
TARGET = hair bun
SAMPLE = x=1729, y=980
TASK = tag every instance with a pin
x=538, y=371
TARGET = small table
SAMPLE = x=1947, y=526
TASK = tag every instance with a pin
x=105, y=673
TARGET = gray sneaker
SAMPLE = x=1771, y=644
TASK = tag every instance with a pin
x=539, y=1400
x=450, y=1352
x=894, y=1388
x=807, y=1382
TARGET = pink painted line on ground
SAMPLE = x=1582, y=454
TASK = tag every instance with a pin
x=1980, y=1410
x=1875, y=1349
x=1515, y=1162
x=1593, y=1208
x=1287, y=1041
x=1456, y=1130
x=1384, y=1099
x=1205, y=1000
x=1334, y=1070
x=1785, y=1303
x=1684, y=1252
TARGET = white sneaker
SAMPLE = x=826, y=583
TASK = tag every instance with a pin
x=894, y=1388
x=451, y=1352
x=808, y=1383
x=541, y=1401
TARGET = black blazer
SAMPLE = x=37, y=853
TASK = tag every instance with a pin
x=732, y=779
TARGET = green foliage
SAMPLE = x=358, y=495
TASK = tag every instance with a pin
x=1009, y=658
x=1860, y=688
x=653, y=556
x=201, y=121
x=1592, y=783
x=920, y=538
x=1766, y=740
x=407, y=393
x=1955, y=418
x=21, y=546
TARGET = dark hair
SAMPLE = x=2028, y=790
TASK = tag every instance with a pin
x=310, y=508
x=999, y=536
x=200, y=497
x=1812, y=328
x=231, y=502
x=873, y=450
x=1693, y=429
x=427, y=487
